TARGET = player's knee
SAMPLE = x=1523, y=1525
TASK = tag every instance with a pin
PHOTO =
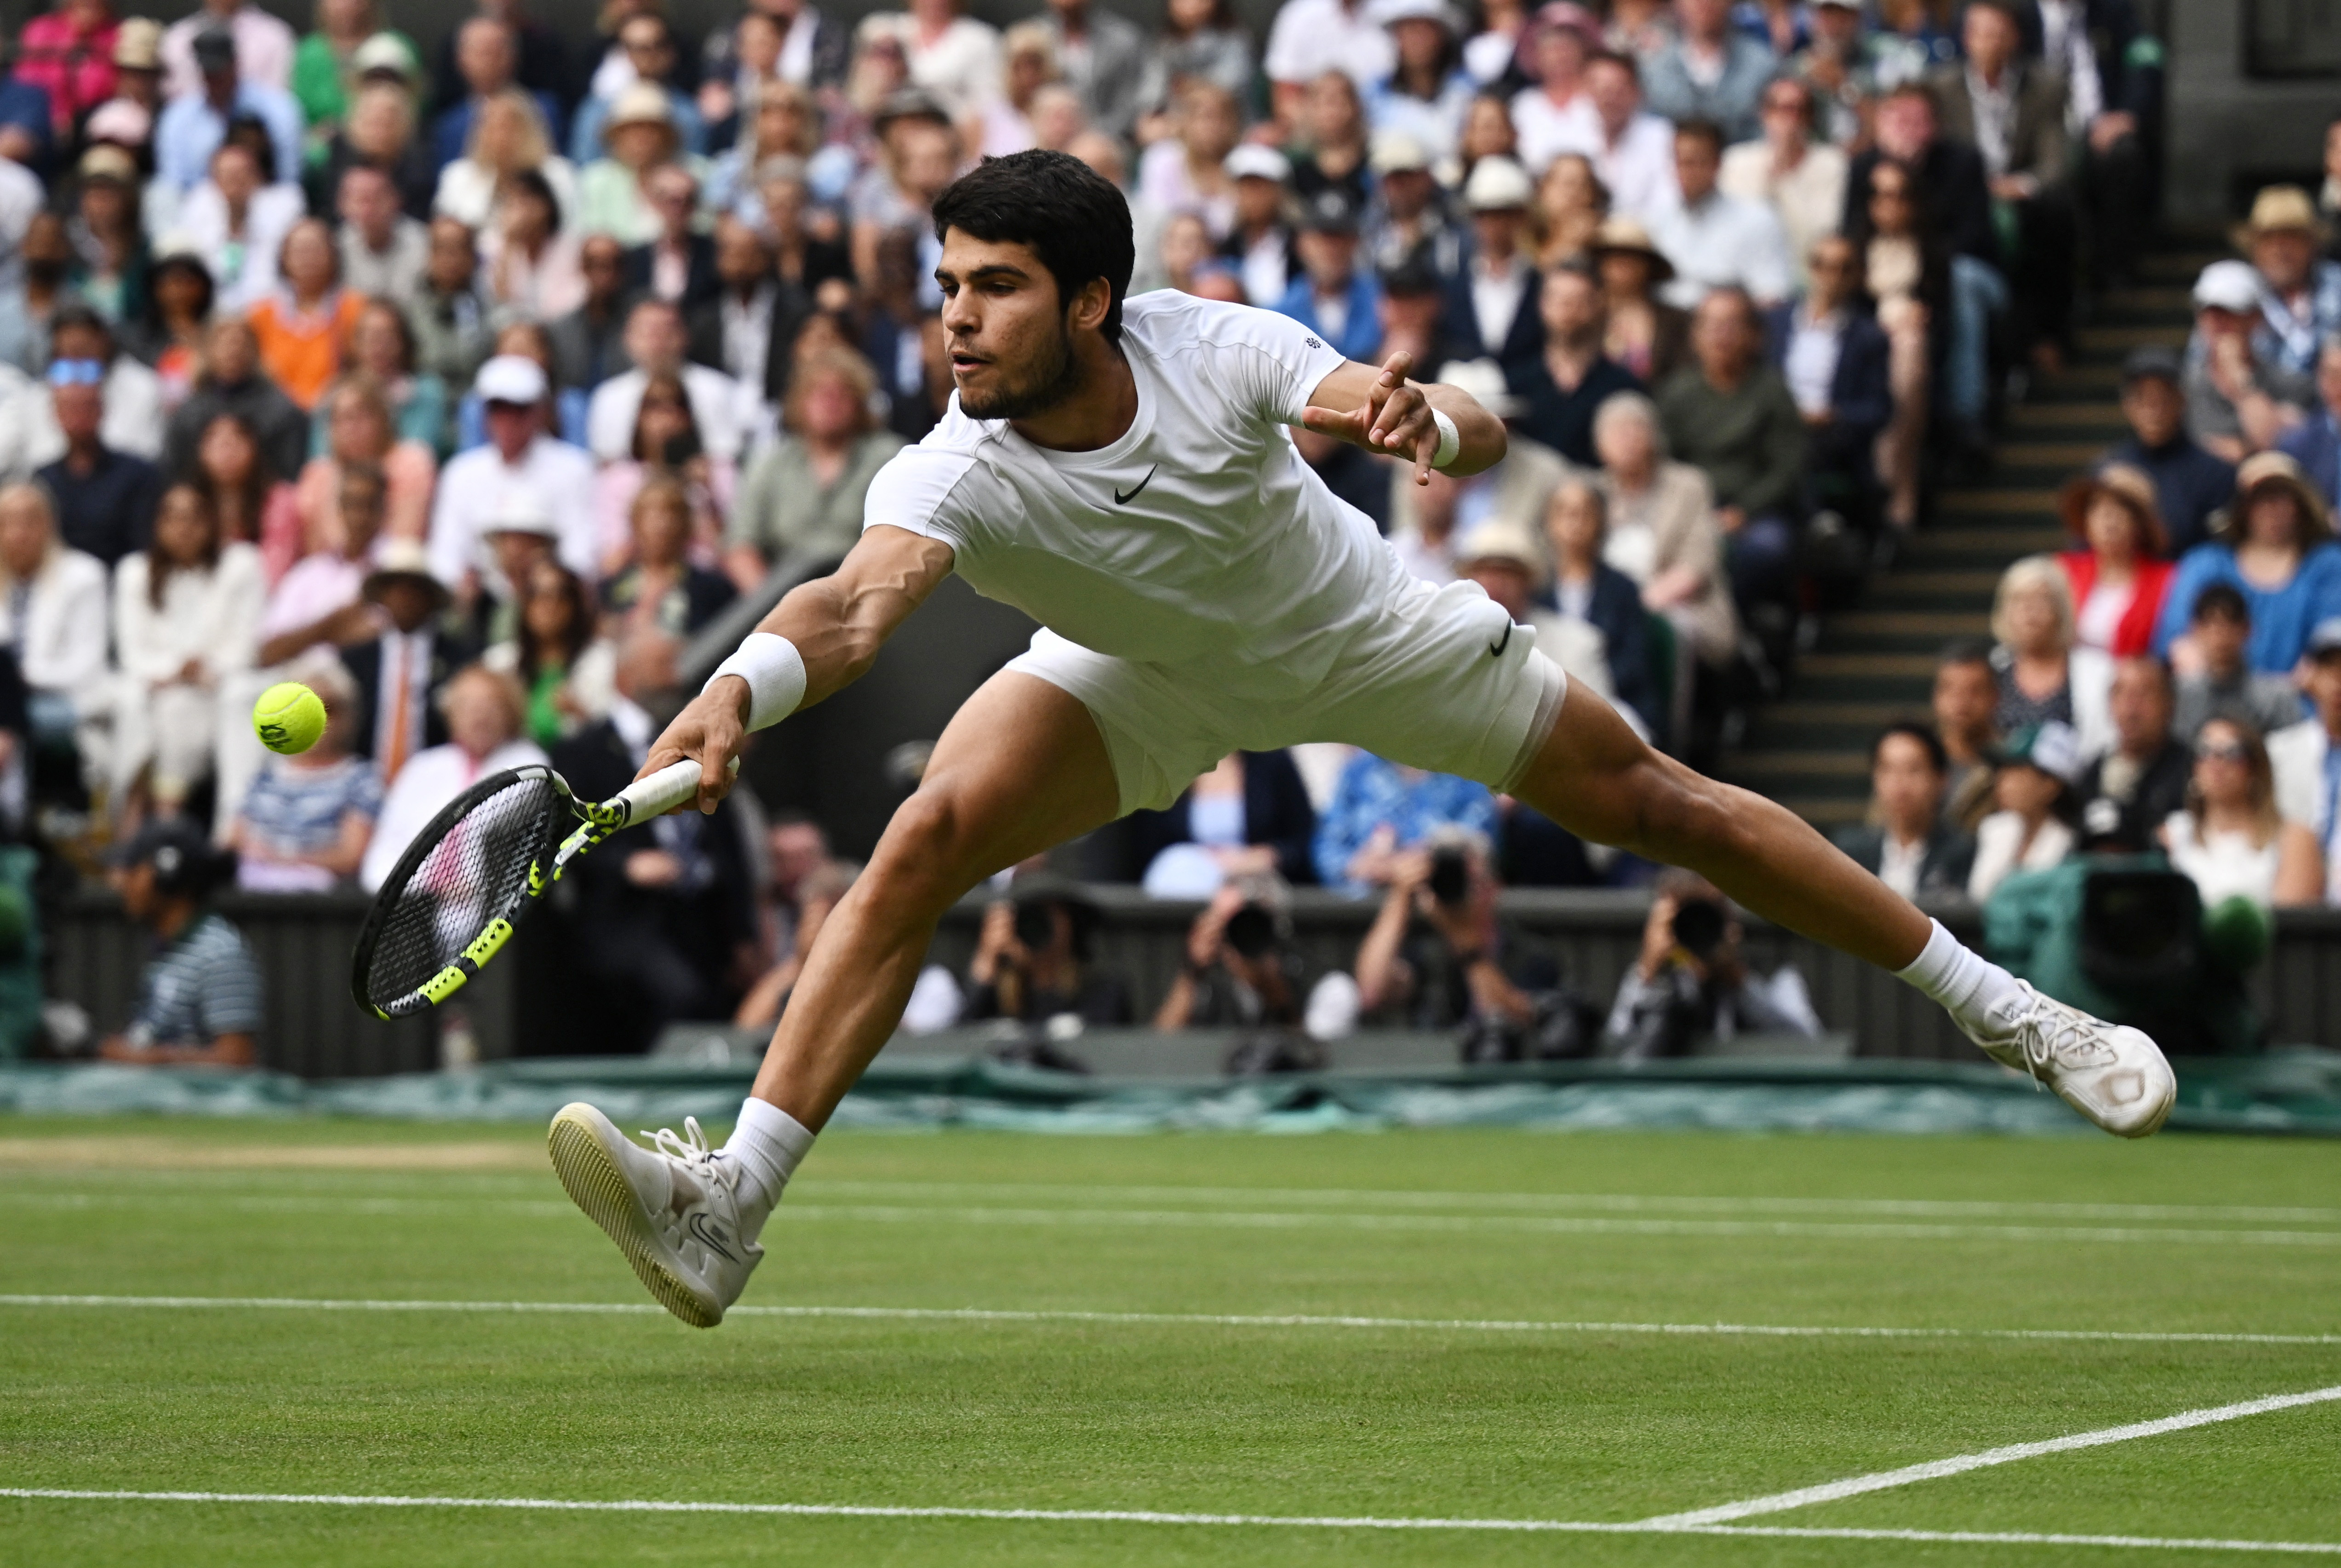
x=925, y=847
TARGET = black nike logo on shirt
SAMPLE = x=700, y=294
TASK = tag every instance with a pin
x=1496, y=649
x=1121, y=500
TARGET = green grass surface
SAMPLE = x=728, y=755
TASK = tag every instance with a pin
x=2173, y=1236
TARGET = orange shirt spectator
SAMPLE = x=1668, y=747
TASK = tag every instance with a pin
x=304, y=326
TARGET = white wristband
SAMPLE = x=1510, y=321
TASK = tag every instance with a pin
x=775, y=674
x=1450, y=440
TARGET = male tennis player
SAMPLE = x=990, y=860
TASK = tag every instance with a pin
x=1121, y=471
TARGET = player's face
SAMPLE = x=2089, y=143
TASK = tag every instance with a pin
x=1010, y=339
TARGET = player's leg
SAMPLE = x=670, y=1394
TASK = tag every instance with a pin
x=1019, y=768
x=1597, y=778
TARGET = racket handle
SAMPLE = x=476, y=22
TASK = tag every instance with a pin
x=673, y=785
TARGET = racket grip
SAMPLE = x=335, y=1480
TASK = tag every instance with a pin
x=673, y=785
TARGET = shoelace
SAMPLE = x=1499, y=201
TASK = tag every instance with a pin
x=691, y=1147
x=2066, y=1036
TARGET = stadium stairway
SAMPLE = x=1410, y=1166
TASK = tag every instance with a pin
x=1874, y=662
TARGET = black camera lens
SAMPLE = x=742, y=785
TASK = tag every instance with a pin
x=1251, y=930
x=1036, y=925
x=1451, y=875
x=1699, y=926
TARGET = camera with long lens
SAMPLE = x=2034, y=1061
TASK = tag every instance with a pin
x=1698, y=927
x=1451, y=875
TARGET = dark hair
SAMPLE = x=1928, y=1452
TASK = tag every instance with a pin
x=254, y=500
x=1963, y=651
x=531, y=183
x=74, y=315
x=1698, y=128
x=160, y=567
x=673, y=384
x=580, y=621
x=407, y=353
x=1070, y=215
x=1911, y=729
x=251, y=133
x=1612, y=58
x=2221, y=602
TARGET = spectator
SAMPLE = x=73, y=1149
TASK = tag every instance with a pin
x=42, y=286
x=1801, y=180
x=1380, y=809
x=1907, y=271
x=169, y=335
x=1710, y=72
x=198, y=1002
x=185, y=613
x=1241, y=969
x=1649, y=337
x=2012, y=111
x=335, y=56
x=319, y=606
x=1571, y=204
x=104, y=498
x=1663, y=534
x=614, y=191
x=1030, y=50
x=109, y=239
x=2143, y=777
x=1507, y=561
x=2229, y=839
x=237, y=220
x=215, y=91
x=1907, y=843
x=2315, y=443
x=1034, y=959
x=1334, y=297
x=254, y=504
x=382, y=349
x=748, y=327
x=1587, y=590
x=1408, y=223
x=952, y=57
x=677, y=263
x=2030, y=827
x=1494, y=54
x=2190, y=483
x=2119, y=575
x=1312, y=37
x=257, y=44
x=304, y=826
x=231, y=383
x=1486, y=134
x=1562, y=387
x=507, y=139
x=2219, y=680
x=1427, y=92
x=803, y=497
x=1555, y=114
x=486, y=57
x=1837, y=365
x=132, y=395
x=1491, y=313
x=564, y=668
x=2300, y=293
x=53, y=621
x=2045, y=676
x=1250, y=817
x=2305, y=757
x=1632, y=151
x=544, y=63
x=1331, y=154
x=380, y=132
x=303, y=327
x=2238, y=400
x=359, y=434
x=656, y=342
x=1471, y=967
x=520, y=457
x=481, y=713
x=1965, y=700
x=1200, y=40
x=1716, y=240
x=588, y=343
x=384, y=252
x=68, y=54
x=450, y=316
x=1422, y=525
x=1514, y=491
x=648, y=43
x=806, y=253
x=783, y=123
x=1691, y=982
x=1260, y=241
x=2275, y=545
x=1104, y=60
x=1731, y=416
x=659, y=588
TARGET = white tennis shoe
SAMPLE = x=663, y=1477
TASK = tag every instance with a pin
x=2116, y=1076
x=673, y=1209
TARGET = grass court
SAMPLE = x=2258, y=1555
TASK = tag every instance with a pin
x=1361, y=1332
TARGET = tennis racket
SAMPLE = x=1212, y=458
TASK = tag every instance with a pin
x=477, y=868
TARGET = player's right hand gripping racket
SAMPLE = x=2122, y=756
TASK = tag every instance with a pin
x=481, y=864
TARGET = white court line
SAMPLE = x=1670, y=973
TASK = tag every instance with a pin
x=1855, y=1485
x=1142, y=1516
x=1193, y=1320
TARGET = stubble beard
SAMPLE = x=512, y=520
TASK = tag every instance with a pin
x=1054, y=380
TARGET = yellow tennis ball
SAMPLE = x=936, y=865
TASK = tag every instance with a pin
x=288, y=717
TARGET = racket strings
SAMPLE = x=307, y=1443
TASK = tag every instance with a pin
x=477, y=872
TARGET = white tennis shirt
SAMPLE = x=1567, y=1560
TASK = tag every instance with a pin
x=1199, y=540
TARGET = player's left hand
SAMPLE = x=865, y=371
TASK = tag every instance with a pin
x=1394, y=416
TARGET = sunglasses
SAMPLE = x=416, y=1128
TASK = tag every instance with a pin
x=2222, y=751
x=77, y=372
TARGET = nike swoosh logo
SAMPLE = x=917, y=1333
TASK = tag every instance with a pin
x=1121, y=500
x=711, y=1237
x=1495, y=651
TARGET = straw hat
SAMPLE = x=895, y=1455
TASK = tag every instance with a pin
x=2280, y=209
x=642, y=104
x=2267, y=470
x=2124, y=484
x=404, y=560
x=1500, y=540
x=1622, y=235
x=139, y=45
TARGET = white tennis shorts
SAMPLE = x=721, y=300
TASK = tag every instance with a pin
x=1442, y=680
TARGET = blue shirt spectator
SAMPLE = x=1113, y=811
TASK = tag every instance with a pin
x=1380, y=806
x=2276, y=511
x=585, y=133
x=1723, y=87
x=190, y=130
x=1334, y=297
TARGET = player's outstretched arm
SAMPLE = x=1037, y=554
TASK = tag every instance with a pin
x=1383, y=411
x=836, y=623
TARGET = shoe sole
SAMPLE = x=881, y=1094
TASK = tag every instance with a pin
x=588, y=1173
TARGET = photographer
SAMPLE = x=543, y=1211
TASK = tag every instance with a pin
x=1468, y=966
x=198, y=1002
x=1033, y=960
x=1691, y=982
x=1240, y=971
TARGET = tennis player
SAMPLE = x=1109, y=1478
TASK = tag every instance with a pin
x=1121, y=471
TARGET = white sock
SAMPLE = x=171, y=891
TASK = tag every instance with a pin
x=1968, y=985
x=768, y=1142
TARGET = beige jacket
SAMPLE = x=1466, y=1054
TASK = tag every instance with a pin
x=1680, y=510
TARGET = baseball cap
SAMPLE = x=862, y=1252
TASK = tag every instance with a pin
x=2150, y=365
x=1497, y=184
x=1388, y=13
x=2055, y=748
x=2229, y=286
x=169, y=844
x=1330, y=212
x=385, y=54
x=518, y=510
x=1484, y=380
x=215, y=47
x=107, y=162
x=511, y=378
x=1398, y=151
x=1252, y=161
